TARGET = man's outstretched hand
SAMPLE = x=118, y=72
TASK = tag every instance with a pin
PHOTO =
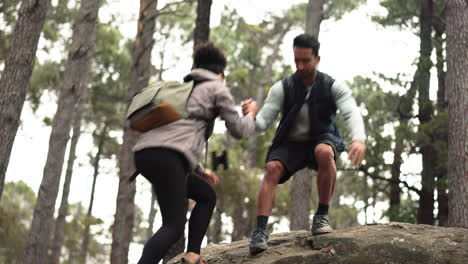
x=249, y=106
x=357, y=151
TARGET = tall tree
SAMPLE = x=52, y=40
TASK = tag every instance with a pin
x=431, y=138
x=139, y=77
x=97, y=158
x=439, y=42
x=16, y=74
x=59, y=227
x=75, y=81
x=202, y=24
x=457, y=94
x=106, y=103
x=314, y=17
x=425, y=115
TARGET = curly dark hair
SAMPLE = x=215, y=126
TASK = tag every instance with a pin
x=209, y=57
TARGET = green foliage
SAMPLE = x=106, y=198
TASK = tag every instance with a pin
x=379, y=111
x=47, y=76
x=405, y=14
x=16, y=209
x=109, y=77
x=177, y=18
x=140, y=228
x=107, y=100
x=335, y=9
x=248, y=46
x=405, y=212
x=74, y=229
x=58, y=16
x=8, y=14
x=401, y=13
x=435, y=132
x=343, y=216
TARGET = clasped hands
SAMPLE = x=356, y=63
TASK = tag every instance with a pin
x=249, y=106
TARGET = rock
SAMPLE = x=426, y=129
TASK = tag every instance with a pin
x=392, y=243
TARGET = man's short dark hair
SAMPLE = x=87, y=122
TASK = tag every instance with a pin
x=209, y=57
x=307, y=41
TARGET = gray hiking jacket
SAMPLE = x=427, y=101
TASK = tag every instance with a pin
x=187, y=136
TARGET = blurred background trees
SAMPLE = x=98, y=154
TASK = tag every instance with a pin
x=404, y=121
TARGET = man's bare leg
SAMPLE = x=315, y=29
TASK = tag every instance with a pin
x=266, y=200
x=326, y=179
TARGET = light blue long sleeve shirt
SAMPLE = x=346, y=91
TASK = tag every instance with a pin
x=344, y=100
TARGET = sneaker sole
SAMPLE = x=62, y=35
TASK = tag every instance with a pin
x=258, y=249
x=321, y=233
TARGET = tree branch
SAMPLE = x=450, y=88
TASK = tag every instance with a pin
x=364, y=170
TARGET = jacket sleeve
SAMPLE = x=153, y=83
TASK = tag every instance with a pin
x=271, y=107
x=349, y=110
x=238, y=126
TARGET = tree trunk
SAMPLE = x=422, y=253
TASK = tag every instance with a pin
x=395, y=189
x=427, y=150
x=240, y=223
x=301, y=187
x=14, y=80
x=214, y=233
x=152, y=215
x=314, y=17
x=442, y=194
x=438, y=44
x=139, y=77
x=75, y=81
x=202, y=25
x=457, y=91
x=301, y=190
x=365, y=197
x=59, y=232
x=86, y=235
x=442, y=200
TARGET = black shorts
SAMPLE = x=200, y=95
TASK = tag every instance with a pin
x=297, y=155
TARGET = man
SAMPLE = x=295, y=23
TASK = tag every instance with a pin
x=307, y=135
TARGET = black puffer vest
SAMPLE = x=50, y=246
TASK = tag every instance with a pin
x=322, y=109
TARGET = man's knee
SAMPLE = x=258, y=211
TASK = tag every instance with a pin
x=274, y=171
x=324, y=154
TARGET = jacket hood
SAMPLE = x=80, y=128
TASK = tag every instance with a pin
x=200, y=75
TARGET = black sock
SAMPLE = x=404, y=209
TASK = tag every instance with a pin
x=322, y=209
x=262, y=222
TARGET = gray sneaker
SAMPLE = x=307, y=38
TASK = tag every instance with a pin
x=258, y=242
x=321, y=225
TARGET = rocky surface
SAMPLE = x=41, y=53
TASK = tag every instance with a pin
x=391, y=243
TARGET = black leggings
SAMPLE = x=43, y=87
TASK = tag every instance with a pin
x=167, y=171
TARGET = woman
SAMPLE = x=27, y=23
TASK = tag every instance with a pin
x=168, y=156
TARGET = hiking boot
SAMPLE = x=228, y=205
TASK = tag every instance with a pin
x=258, y=242
x=321, y=225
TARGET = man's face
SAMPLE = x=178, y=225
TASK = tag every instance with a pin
x=306, y=62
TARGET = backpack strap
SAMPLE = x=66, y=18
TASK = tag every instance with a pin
x=134, y=175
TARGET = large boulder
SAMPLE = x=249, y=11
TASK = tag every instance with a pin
x=391, y=243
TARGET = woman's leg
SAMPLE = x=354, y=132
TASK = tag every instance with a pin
x=205, y=197
x=166, y=170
